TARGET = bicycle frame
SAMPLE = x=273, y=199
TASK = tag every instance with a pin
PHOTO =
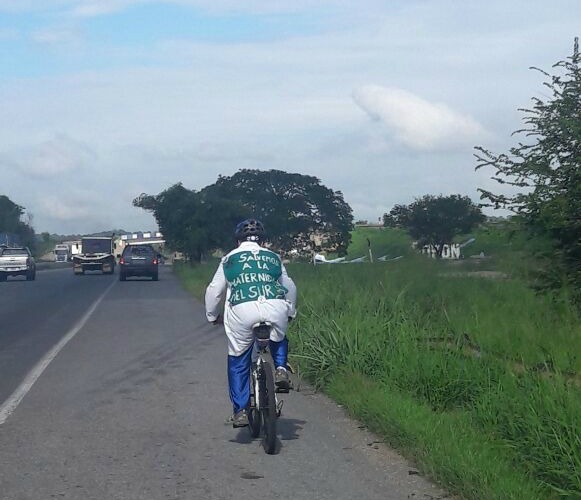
x=265, y=407
x=261, y=342
x=258, y=372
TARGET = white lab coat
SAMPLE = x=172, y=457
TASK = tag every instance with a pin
x=239, y=319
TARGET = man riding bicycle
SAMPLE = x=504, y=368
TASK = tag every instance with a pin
x=258, y=289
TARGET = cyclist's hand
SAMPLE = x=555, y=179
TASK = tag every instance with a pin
x=218, y=321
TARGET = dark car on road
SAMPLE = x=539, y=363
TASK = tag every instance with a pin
x=139, y=260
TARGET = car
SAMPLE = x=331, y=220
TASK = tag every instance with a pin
x=139, y=260
x=17, y=261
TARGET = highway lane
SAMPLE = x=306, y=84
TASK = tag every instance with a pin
x=134, y=407
x=34, y=315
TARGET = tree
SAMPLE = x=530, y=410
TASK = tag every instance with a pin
x=546, y=170
x=10, y=214
x=293, y=208
x=396, y=216
x=193, y=223
x=11, y=223
x=435, y=220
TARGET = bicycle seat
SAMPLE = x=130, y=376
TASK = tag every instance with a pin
x=262, y=330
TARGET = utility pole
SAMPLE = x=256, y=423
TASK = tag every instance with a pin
x=369, y=250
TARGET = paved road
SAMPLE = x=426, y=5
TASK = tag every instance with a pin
x=133, y=407
x=35, y=315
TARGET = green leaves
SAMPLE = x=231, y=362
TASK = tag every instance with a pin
x=548, y=165
x=192, y=222
x=293, y=208
x=435, y=220
x=10, y=222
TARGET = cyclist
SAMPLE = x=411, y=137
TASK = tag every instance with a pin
x=257, y=288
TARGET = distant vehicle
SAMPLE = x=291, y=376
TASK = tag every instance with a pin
x=62, y=253
x=17, y=261
x=139, y=260
x=75, y=247
x=96, y=255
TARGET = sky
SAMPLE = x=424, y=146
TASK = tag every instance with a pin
x=102, y=100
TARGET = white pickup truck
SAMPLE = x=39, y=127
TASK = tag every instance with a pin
x=16, y=261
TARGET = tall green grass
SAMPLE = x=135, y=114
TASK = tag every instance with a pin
x=475, y=379
x=195, y=278
x=489, y=354
x=384, y=241
x=502, y=318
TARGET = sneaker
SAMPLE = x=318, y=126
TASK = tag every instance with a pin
x=281, y=379
x=240, y=419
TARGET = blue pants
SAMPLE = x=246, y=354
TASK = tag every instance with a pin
x=239, y=372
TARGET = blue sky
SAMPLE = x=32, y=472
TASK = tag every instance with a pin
x=105, y=99
x=55, y=41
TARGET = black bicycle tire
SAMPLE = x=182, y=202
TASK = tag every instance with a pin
x=268, y=410
x=254, y=418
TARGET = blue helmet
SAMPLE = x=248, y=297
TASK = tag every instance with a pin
x=250, y=230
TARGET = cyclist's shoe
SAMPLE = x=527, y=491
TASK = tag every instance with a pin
x=240, y=419
x=281, y=379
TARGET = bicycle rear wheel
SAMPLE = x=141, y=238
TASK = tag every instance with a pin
x=254, y=418
x=268, y=408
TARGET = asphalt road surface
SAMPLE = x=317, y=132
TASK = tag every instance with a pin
x=112, y=390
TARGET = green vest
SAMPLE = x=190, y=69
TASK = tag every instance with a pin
x=254, y=274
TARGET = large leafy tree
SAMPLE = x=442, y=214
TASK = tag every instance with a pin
x=545, y=169
x=11, y=222
x=192, y=222
x=435, y=220
x=293, y=207
x=10, y=214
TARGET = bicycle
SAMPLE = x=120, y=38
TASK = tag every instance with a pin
x=264, y=405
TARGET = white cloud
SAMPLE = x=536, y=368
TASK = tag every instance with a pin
x=53, y=5
x=268, y=6
x=79, y=209
x=56, y=36
x=57, y=156
x=93, y=8
x=416, y=122
x=184, y=110
x=56, y=207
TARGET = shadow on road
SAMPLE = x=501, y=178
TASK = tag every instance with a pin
x=287, y=430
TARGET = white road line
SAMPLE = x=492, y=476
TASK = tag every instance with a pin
x=14, y=400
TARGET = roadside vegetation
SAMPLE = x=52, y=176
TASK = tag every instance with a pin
x=477, y=380
x=14, y=230
x=543, y=171
x=383, y=241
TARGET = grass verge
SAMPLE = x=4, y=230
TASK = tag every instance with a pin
x=475, y=379
x=446, y=446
